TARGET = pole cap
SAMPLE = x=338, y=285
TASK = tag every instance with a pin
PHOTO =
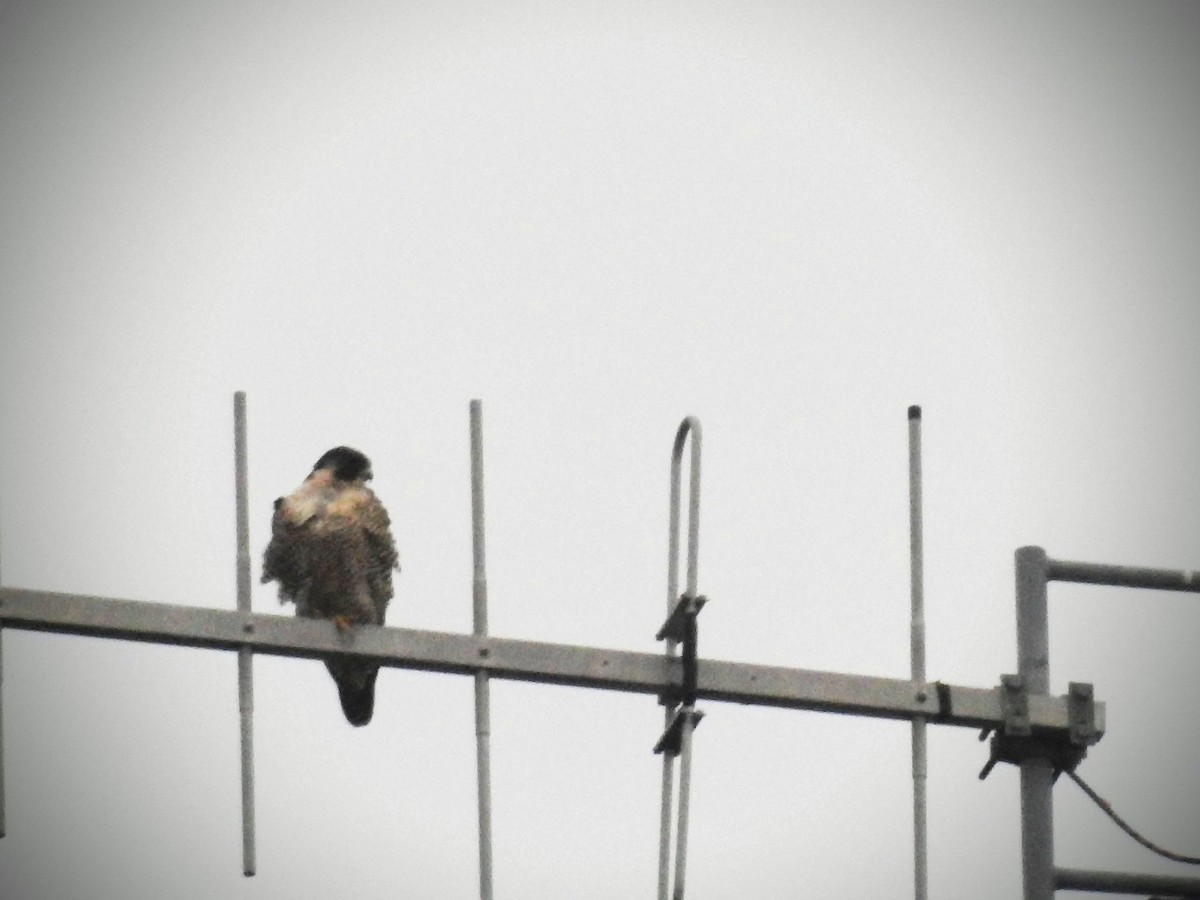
x=914, y=412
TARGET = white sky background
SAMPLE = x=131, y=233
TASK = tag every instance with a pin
x=791, y=220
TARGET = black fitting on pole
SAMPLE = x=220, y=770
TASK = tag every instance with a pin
x=681, y=627
x=1017, y=742
x=690, y=635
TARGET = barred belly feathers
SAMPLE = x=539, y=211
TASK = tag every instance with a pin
x=332, y=554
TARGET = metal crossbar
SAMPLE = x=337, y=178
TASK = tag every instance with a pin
x=1123, y=576
x=1124, y=883
x=519, y=660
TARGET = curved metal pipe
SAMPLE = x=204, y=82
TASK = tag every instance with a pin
x=689, y=426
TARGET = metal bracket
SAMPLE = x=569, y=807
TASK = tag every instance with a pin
x=945, y=701
x=680, y=627
x=675, y=627
x=1014, y=702
x=671, y=741
x=1081, y=711
x=1017, y=742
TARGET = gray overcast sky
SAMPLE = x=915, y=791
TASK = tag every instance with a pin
x=791, y=220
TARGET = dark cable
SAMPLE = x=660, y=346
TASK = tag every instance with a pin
x=1127, y=828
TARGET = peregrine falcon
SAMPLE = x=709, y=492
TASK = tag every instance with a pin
x=332, y=553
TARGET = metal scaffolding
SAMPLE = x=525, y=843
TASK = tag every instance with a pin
x=1039, y=762
x=1040, y=733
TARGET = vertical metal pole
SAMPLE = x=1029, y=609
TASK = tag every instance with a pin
x=689, y=425
x=482, y=693
x=2, y=823
x=917, y=640
x=685, y=750
x=668, y=766
x=685, y=777
x=1037, y=775
x=245, y=658
x=664, y=830
x=692, y=424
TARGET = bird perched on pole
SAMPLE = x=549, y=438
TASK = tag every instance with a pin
x=332, y=552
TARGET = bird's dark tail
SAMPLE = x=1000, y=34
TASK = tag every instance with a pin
x=357, y=693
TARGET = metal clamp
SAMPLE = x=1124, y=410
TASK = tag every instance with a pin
x=681, y=627
x=674, y=628
x=1014, y=703
x=671, y=741
x=1017, y=742
x=1081, y=711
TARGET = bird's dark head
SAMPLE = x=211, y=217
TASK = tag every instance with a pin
x=346, y=463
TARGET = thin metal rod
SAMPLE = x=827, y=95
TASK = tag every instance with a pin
x=2, y=822
x=1122, y=576
x=916, y=544
x=664, y=832
x=920, y=751
x=246, y=712
x=478, y=542
x=245, y=654
x=685, y=794
x=484, y=768
x=1037, y=775
x=1126, y=883
x=690, y=425
x=482, y=689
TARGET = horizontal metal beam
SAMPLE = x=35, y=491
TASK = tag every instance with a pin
x=1125, y=883
x=590, y=667
x=1123, y=576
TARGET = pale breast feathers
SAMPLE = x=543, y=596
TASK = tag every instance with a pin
x=331, y=545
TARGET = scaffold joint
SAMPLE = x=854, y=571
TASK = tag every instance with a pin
x=1016, y=742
